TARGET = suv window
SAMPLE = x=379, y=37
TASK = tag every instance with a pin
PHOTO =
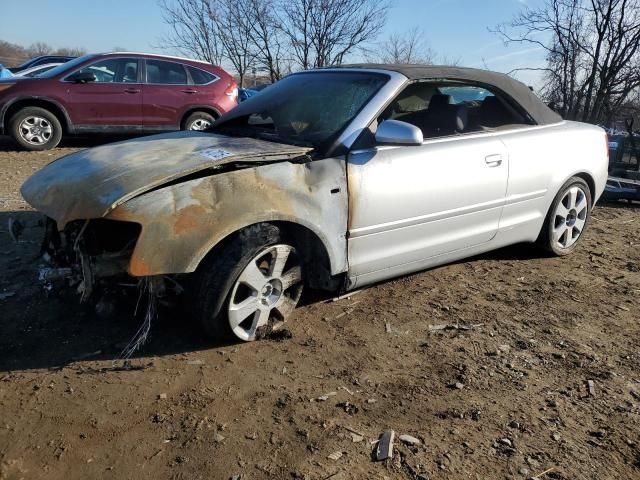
x=114, y=70
x=442, y=109
x=171, y=73
x=200, y=77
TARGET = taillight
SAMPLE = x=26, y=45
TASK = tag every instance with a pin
x=232, y=91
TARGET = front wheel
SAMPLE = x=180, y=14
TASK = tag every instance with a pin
x=249, y=286
x=568, y=217
x=35, y=128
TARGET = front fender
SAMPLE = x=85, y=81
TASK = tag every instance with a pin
x=181, y=223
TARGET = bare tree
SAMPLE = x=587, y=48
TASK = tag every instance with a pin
x=39, y=48
x=410, y=47
x=267, y=36
x=193, y=31
x=324, y=32
x=11, y=54
x=592, y=49
x=236, y=35
x=70, y=52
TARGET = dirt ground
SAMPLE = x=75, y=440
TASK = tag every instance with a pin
x=509, y=398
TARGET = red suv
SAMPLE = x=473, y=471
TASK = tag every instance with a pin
x=114, y=93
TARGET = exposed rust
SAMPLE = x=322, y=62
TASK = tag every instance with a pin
x=91, y=183
x=183, y=222
x=138, y=267
x=188, y=219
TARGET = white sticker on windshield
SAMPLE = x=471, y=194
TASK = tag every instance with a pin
x=214, y=153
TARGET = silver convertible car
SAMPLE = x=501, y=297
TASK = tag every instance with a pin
x=333, y=178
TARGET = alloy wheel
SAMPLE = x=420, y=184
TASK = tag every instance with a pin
x=35, y=130
x=570, y=217
x=266, y=292
x=200, y=124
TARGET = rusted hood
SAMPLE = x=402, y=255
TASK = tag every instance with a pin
x=91, y=183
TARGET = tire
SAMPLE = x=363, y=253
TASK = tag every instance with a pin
x=241, y=291
x=35, y=129
x=567, y=218
x=199, y=121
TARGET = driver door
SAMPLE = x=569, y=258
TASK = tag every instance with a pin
x=114, y=99
x=410, y=206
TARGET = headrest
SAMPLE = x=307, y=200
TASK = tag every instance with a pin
x=447, y=118
x=440, y=101
x=493, y=113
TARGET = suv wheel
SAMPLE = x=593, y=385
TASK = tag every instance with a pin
x=199, y=121
x=35, y=128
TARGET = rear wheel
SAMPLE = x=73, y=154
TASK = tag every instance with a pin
x=199, y=121
x=567, y=218
x=35, y=128
x=250, y=285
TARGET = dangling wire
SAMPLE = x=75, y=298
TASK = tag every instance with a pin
x=148, y=288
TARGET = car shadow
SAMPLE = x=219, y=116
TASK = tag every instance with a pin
x=50, y=329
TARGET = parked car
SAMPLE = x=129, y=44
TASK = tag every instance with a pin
x=246, y=93
x=114, y=93
x=5, y=72
x=37, y=70
x=41, y=60
x=622, y=185
x=364, y=173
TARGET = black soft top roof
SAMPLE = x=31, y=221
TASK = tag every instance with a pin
x=518, y=91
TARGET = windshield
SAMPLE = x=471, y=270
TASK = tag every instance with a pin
x=63, y=67
x=309, y=109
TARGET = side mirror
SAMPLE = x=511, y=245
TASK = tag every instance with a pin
x=82, y=77
x=395, y=132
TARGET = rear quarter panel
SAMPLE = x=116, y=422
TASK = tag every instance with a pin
x=541, y=160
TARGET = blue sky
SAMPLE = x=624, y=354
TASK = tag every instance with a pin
x=454, y=28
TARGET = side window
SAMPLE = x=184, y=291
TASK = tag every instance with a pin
x=163, y=72
x=444, y=109
x=114, y=70
x=200, y=77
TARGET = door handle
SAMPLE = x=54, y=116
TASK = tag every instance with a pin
x=493, y=160
x=189, y=91
x=132, y=90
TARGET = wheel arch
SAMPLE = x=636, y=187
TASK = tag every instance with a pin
x=590, y=183
x=314, y=252
x=51, y=105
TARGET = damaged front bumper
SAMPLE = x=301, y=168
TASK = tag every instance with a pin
x=88, y=253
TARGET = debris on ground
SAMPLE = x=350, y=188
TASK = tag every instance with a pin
x=384, y=449
x=592, y=388
x=348, y=407
x=409, y=440
x=325, y=397
x=335, y=456
x=279, y=335
x=347, y=296
x=454, y=326
x=5, y=295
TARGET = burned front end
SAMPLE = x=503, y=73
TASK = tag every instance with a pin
x=88, y=254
